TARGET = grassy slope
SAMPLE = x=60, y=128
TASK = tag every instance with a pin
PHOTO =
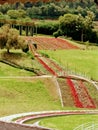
x=24, y=95
x=21, y=95
x=68, y=122
x=19, y=58
x=6, y=70
x=80, y=61
x=16, y=57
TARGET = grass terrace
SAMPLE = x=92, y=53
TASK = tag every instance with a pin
x=25, y=95
x=83, y=62
x=68, y=122
x=19, y=95
x=22, y=60
x=6, y=70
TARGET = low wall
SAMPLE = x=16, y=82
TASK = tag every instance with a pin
x=14, y=126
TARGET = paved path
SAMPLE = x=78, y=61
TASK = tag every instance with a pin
x=22, y=117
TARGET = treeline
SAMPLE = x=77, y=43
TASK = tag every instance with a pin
x=52, y=9
x=75, y=19
x=74, y=26
x=35, y=1
x=71, y=25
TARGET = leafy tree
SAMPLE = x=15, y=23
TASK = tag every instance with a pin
x=16, y=14
x=5, y=8
x=57, y=33
x=13, y=14
x=68, y=24
x=77, y=26
x=87, y=23
x=9, y=39
x=34, y=12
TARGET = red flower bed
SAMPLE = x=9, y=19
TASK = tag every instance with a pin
x=77, y=102
x=52, y=43
x=79, y=92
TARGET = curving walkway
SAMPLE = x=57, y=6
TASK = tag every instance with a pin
x=23, y=117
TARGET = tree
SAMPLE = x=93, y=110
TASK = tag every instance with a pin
x=16, y=14
x=77, y=26
x=5, y=8
x=68, y=24
x=9, y=38
x=24, y=1
x=85, y=24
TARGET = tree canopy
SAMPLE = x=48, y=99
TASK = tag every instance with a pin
x=78, y=27
x=51, y=9
x=24, y=1
x=9, y=38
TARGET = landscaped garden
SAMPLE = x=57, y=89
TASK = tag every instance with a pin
x=49, y=73
x=82, y=62
x=27, y=94
x=69, y=122
x=38, y=94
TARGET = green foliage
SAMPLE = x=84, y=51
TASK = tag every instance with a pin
x=52, y=9
x=16, y=14
x=5, y=8
x=48, y=28
x=29, y=95
x=44, y=54
x=69, y=122
x=30, y=55
x=6, y=70
x=79, y=27
x=68, y=24
x=57, y=33
x=1, y=13
x=86, y=60
x=17, y=58
x=9, y=38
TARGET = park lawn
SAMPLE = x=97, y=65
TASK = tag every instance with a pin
x=18, y=57
x=82, y=62
x=6, y=70
x=25, y=95
x=23, y=60
x=68, y=122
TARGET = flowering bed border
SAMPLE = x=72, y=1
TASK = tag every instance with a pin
x=76, y=99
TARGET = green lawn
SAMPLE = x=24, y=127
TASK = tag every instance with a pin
x=83, y=62
x=24, y=95
x=6, y=70
x=68, y=122
x=25, y=60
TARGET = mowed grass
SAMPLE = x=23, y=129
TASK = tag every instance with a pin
x=17, y=57
x=18, y=95
x=25, y=95
x=6, y=70
x=68, y=122
x=84, y=62
x=25, y=60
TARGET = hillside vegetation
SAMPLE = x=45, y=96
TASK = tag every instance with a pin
x=63, y=122
x=82, y=62
x=24, y=95
x=50, y=9
x=18, y=63
x=28, y=92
